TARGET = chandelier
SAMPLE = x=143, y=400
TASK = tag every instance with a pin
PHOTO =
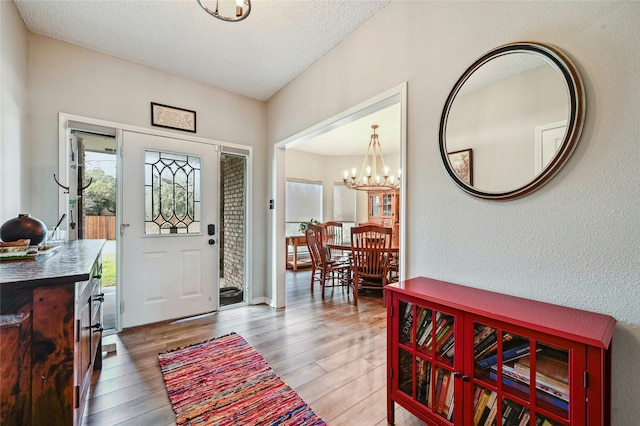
x=240, y=14
x=374, y=173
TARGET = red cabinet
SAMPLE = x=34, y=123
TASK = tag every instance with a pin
x=464, y=356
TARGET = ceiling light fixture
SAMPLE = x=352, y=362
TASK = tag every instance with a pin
x=369, y=178
x=243, y=8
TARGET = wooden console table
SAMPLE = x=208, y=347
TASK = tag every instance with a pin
x=295, y=241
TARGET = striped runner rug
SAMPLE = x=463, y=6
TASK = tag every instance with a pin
x=224, y=381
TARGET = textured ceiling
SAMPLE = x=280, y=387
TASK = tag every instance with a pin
x=255, y=57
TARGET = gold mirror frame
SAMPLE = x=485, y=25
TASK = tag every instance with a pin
x=575, y=118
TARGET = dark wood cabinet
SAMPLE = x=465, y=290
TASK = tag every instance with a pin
x=464, y=356
x=50, y=310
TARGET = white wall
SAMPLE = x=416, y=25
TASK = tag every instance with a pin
x=574, y=242
x=14, y=134
x=67, y=78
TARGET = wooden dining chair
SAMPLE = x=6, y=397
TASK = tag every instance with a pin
x=370, y=255
x=333, y=236
x=326, y=271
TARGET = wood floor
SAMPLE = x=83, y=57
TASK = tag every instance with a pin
x=331, y=352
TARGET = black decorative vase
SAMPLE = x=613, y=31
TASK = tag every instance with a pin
x=24, y=227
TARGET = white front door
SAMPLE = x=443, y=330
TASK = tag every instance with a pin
x=170, y=263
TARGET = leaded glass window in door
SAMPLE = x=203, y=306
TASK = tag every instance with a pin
x=172, y=193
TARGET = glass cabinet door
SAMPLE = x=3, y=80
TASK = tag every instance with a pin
x=387, y=200
x=375, y=205
x=426, y=357
x=530, y=379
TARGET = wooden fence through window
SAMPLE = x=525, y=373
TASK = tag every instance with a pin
x=100, y=227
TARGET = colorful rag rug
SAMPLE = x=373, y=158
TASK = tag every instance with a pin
x=224, y=381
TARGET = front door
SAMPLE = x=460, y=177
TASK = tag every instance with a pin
x=169, y=228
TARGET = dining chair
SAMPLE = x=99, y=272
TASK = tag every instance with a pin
x=333, y=236
x=327, y=271
x=370, y=255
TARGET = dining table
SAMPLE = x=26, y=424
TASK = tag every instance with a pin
x=345, y=246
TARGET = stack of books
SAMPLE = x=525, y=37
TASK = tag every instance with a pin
x=444, y=333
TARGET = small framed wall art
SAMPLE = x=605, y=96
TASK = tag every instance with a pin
x=462, y=164
x=173, y=118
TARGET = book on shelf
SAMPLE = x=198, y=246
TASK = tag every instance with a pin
x=492, y=347
x=423, y=380
x=487, y=409
x=512, y=412
x=479, y=408
x=441, y=322
x=524, y=420
x=427, y=332
x=507, y=411
x=550, y=386
x=481, y=332
x=476, y=397
x=546, y=384
x=448, y=401
x=436, y=389
x=445, y=323
x=557, y=369
x=424, y=319
x=450, y=414
x=406, y=324
x=524, y=388
x=442, y=392
x=447, y=346
x=513, y=352
x=484, y=344
x=491, y=418
x=442, y=341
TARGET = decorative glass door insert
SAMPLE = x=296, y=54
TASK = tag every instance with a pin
x=172, y=193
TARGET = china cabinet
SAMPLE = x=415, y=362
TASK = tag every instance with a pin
x=384, y=209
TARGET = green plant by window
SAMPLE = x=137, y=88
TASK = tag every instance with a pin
x=303, y=225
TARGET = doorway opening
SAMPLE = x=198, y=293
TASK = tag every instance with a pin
x=96, y=208
x=338, y=133
x=233, y=225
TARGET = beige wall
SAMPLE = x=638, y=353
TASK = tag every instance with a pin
x=14, y=132
x=574, y=242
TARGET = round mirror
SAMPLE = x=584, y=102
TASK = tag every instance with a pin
x=511, y=121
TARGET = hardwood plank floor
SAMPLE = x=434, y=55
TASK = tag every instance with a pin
x=331, y=352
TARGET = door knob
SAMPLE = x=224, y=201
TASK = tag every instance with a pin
x=212, y=241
